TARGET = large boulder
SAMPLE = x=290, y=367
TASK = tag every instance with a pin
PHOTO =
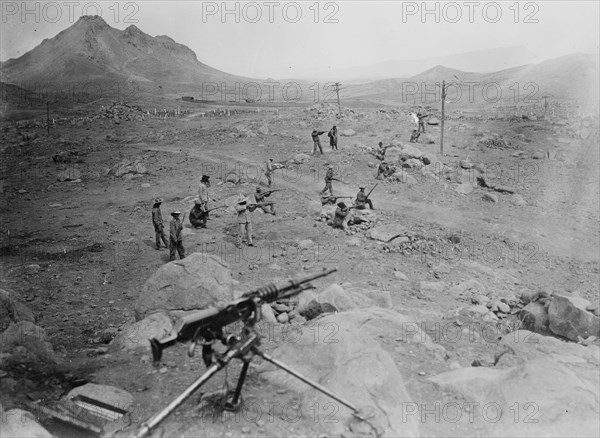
x=540, y=397
x=348, y=132
x=365, y=215
x=12, y=310
x=196, y=282
x=392, y=155
x=349, y=362
x=409, y=151
x=137, y=335
x=300, y=158
x=385, y=233
x=568, y=317
x=27, y=341
x=70, y=174
x=17, y=423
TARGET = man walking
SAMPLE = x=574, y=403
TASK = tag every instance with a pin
x=157, y=221
x=328, y=179
x=176, y=238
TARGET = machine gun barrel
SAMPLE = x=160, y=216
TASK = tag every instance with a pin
x=208, y=323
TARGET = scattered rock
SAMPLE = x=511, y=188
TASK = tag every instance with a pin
x=464, y=188
x=348, y=132
x=70, y=174
x=386, y=233
x=517, y=200
x=490, y=197
x=400, y=276
x=283, y=318
x=408, y=152
x=12, y=310
x=31, y=338
x=268, y=316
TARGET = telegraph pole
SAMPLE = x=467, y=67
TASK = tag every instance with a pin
x=337, y=86
x=48, y=116
x=442, y=121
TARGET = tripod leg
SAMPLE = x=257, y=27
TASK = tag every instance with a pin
x=234, y=403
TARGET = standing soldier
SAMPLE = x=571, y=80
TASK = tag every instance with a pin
x=269, y=171
x=362, y=200
x=328, y=179
x=157, y=221
x=244, y=223
x=317, y=142
x=259, y=197
x=333, y=137
x=421, y=122
x=176, y=239
x=203, y=190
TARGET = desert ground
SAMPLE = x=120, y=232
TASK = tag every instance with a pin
x=78, y=245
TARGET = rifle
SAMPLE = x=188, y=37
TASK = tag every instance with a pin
x=336, y=179
x=371, y=191
x=273, y=191
x=327, y=199
x=215, y=208
x=207, y=326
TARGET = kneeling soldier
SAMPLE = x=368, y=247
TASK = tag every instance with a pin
x=362, y=200
x=260, y=196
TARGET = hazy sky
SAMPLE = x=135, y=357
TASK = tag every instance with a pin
x=282, y=39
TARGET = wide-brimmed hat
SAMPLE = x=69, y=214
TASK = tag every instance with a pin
x=361, y=187
x=258, y=190
x=205, y=178
x=176, y=213
x=198, y=202
x=158, y=200
x=330, y=166
x=341, y=205
x=270, y=159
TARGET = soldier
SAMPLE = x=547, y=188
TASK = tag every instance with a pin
x=317, y=142
x=176, y=239
x=339, y=219
x=203, y=190
x=421, y=118
x=362, y=200
x=328, y=178
x=414, y=137
x=260, y=196
x=157, y=221
x=244, y=222
x=333, y=138
x=269, y=170
x=198, y=215
x=384, y=169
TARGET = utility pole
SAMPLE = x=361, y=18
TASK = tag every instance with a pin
x=337, y=86
x=442, y=121
x=48, y=116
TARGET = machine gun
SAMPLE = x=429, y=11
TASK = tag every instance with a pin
x=207, y=325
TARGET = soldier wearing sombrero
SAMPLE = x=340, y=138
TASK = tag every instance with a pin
x=198, y=215
x=157, y=221
x=244, y=223
x=362, y=200
x=176, y=241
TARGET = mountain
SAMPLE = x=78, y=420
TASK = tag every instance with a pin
x=573, y=77
x=480, y=61
x=92, y=51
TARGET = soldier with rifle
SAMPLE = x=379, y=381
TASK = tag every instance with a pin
x=317, y=142
x=270, y=168
x=421, y=118
x=362, y=199
x=244, y=220
x=328, y=178
x=262, y=203
x=339, y=218
x=199, y=214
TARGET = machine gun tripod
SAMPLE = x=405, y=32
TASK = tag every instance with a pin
x=208, y=327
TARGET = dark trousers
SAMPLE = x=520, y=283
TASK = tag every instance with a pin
x=327, y=187
x=176, y=246
x=317, y=144
x=362, y=206
x=160, y=235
